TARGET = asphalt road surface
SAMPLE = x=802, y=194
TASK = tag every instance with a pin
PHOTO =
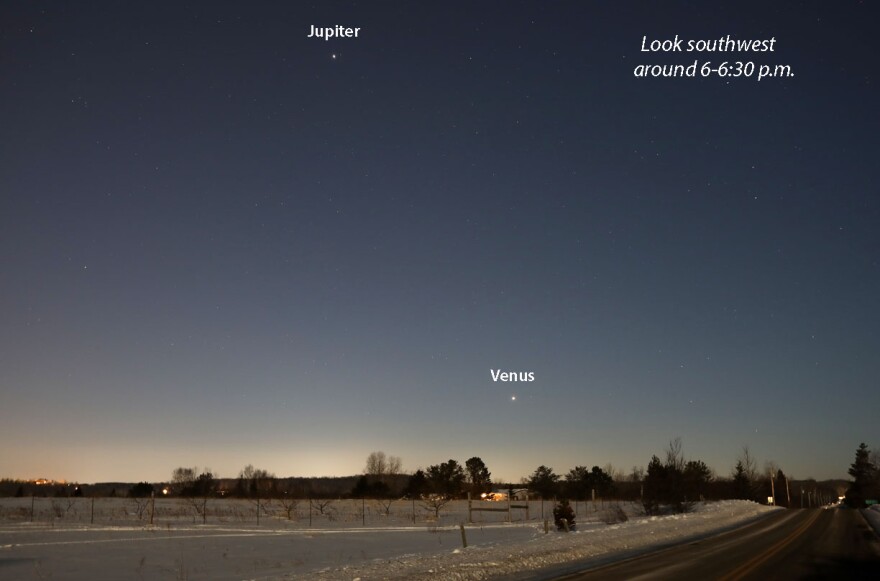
x=793, y=544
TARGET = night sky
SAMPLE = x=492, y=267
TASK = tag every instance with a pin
x=223, y=242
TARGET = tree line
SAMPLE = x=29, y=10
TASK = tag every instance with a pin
x=670, y=482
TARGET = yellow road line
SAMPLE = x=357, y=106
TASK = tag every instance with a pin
x=757, y=561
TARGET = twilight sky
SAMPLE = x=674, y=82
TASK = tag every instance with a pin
x=223, y=242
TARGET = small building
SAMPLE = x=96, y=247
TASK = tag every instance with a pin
x=501, y=495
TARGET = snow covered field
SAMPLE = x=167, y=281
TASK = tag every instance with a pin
x=61, y=543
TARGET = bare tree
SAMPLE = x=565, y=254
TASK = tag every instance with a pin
x=63, y=506
x=198, y=490
x=288, y=505
x=383, y=505
x=749, y=464
x=674, y=455
x=255, y=482
x=378, y=464
x=616, y=474
x=183, y=478
x=141, y=503
x=321, y=504
x=200, y=507
x=435, y=502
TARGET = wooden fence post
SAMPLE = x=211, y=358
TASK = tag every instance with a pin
x=463, y=536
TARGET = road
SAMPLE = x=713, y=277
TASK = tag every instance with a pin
x=794, y=544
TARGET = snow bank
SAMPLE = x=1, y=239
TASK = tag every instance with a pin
x=872, y=515
x=547, y=550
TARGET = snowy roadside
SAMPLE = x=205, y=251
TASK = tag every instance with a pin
x=872, y=515
x=540, y=551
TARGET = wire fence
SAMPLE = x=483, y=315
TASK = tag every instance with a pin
x=290, y=512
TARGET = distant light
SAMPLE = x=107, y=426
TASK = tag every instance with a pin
x=513, y=398
x=164, y=491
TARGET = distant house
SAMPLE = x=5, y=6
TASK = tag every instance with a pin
x=500, y=495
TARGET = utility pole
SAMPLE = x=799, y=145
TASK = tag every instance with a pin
x=772, y=487
x=787, y=492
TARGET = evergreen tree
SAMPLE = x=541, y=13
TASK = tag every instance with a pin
x=370, y=487
x=561, y=511
x=601, y=482
x=544, y=481
x=417, y=485
x=446, y=478
x=204, y=485
x=578, y=483
x=361, y=488
x=865, y=478
x=696, y=478
x=741, y=485
x=654, y=486
x=478, y=476
x=781, y=492
x=141, y=490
